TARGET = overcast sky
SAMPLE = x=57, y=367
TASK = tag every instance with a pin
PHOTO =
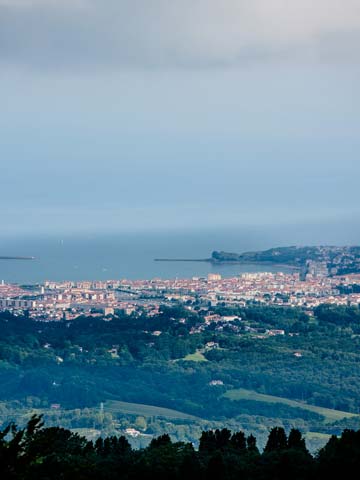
x=131, y=114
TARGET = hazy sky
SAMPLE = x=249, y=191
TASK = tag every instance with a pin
x=131, y=114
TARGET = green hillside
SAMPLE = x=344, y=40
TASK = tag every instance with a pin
x=329, y=414
x=145, y=410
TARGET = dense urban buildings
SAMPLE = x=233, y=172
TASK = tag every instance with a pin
x=67, y=300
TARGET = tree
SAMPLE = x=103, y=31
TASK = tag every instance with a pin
x=140, y=423
x=296, y=440
x=238, y=441
x=161, y=441
x=207, y=443
x=251, y=444
x=277, y=440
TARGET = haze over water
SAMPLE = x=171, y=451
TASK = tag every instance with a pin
x=160, y=116
x=131, y=255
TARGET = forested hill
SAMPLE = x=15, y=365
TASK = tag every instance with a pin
x=38, y=453
x=177, y=373
x=337, y=260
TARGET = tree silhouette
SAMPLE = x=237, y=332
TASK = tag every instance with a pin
x=277, y=440
x=296, y=440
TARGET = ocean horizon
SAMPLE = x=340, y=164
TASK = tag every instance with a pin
x=131, y=255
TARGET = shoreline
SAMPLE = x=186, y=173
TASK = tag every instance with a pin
x=234, y=262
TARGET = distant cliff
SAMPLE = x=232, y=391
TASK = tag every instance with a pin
x=324, y=260
x=327, y=259
x=296, y=256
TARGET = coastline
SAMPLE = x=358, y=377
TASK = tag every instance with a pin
x=234, y=262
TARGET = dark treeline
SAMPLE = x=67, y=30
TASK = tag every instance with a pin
x=35, y=452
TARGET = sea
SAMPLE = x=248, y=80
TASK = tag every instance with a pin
x=102, y=256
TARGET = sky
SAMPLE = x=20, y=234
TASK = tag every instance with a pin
x=121, y=115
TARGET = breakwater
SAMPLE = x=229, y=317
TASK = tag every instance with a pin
x=17, y=258
x=182, y=260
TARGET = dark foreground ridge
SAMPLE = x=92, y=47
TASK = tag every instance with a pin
x=35, y=452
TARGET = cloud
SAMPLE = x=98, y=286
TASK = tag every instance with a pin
x=74, y=34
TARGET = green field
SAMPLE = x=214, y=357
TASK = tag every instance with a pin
x=330, y=415
x=195, y=357
x=145, y=410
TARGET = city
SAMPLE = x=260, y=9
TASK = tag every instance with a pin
x=53, y=301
